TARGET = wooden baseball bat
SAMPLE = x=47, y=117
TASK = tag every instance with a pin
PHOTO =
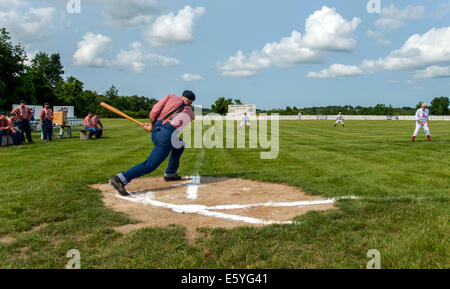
x=118, y=112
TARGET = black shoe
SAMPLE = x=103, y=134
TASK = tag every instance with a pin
x=117, y=184
x=172, y=178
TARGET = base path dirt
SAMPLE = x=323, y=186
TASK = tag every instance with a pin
x=210, y=202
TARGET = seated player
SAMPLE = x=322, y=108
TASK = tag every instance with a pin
x=13, y=131
x=89, y=126
x=4, y=126
x=97, y=123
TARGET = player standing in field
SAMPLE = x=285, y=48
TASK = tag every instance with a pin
x=339, y=119
x=422, y=120
x=245, y=120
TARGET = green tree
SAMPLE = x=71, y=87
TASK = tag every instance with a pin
x=70, y=92
x=50, y=66
x=221, y=105
x=439, y=106
x=12, y=59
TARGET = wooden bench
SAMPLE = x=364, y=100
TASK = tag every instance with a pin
x=84, y=134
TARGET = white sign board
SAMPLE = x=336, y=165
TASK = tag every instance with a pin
x=239, y=109
x=35, y=110
x=70, y=110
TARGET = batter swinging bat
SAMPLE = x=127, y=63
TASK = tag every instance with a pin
x=118, y=112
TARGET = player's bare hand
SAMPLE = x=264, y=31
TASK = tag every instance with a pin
x=147, y=126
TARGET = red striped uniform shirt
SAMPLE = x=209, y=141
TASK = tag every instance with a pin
x=46, y=114
x=168, y=104
x=22, y=113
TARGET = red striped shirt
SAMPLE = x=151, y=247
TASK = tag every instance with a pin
x=168, y=104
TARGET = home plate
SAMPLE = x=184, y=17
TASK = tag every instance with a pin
x=210, y=202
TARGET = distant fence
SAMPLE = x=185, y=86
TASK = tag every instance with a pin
x=324, y=117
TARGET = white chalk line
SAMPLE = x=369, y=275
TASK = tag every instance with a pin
x=199, y=209
x=192, y=189
x=148, y=199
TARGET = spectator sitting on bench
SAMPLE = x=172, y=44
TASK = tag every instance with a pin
x=96, y=122
x=15, y=134
x=89, y=126
x=4, y=126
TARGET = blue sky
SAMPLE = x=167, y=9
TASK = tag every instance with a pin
x=268, y=53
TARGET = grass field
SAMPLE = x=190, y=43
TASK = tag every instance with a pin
x=48, y=208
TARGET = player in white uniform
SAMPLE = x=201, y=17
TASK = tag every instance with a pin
x=422, y=120
x=339, y=119
x=245, y=120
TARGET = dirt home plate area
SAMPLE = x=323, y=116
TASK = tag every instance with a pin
x=210, y=202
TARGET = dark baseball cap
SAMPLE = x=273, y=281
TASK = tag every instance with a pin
x=189, y=95
x=23, y=101
x=3, y=113
x=12, y=114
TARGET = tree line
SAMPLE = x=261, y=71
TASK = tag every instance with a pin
x=438, y=106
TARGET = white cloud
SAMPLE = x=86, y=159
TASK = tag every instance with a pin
x=130, y=13
x=191, y=77
x=325, y=31
x=337, y=71
x=392, y=18
x=379, y=36
x=171, y=29
x=93, y=49
x=419, y=51
x=442, y=10
x=433, y=72
x=26, y=24
x=138, y=60
x=328, y=30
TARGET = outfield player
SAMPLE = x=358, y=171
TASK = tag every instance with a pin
x=422, y=121
x=339, y=119
x=167, y=119
x=245, y=120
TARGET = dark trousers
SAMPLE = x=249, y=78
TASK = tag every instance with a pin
x=11, y=133
x=92, y=131
x=99, y=133
x=162, y=138
x=24, y=126
x=15, y=138
x=47, y=130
